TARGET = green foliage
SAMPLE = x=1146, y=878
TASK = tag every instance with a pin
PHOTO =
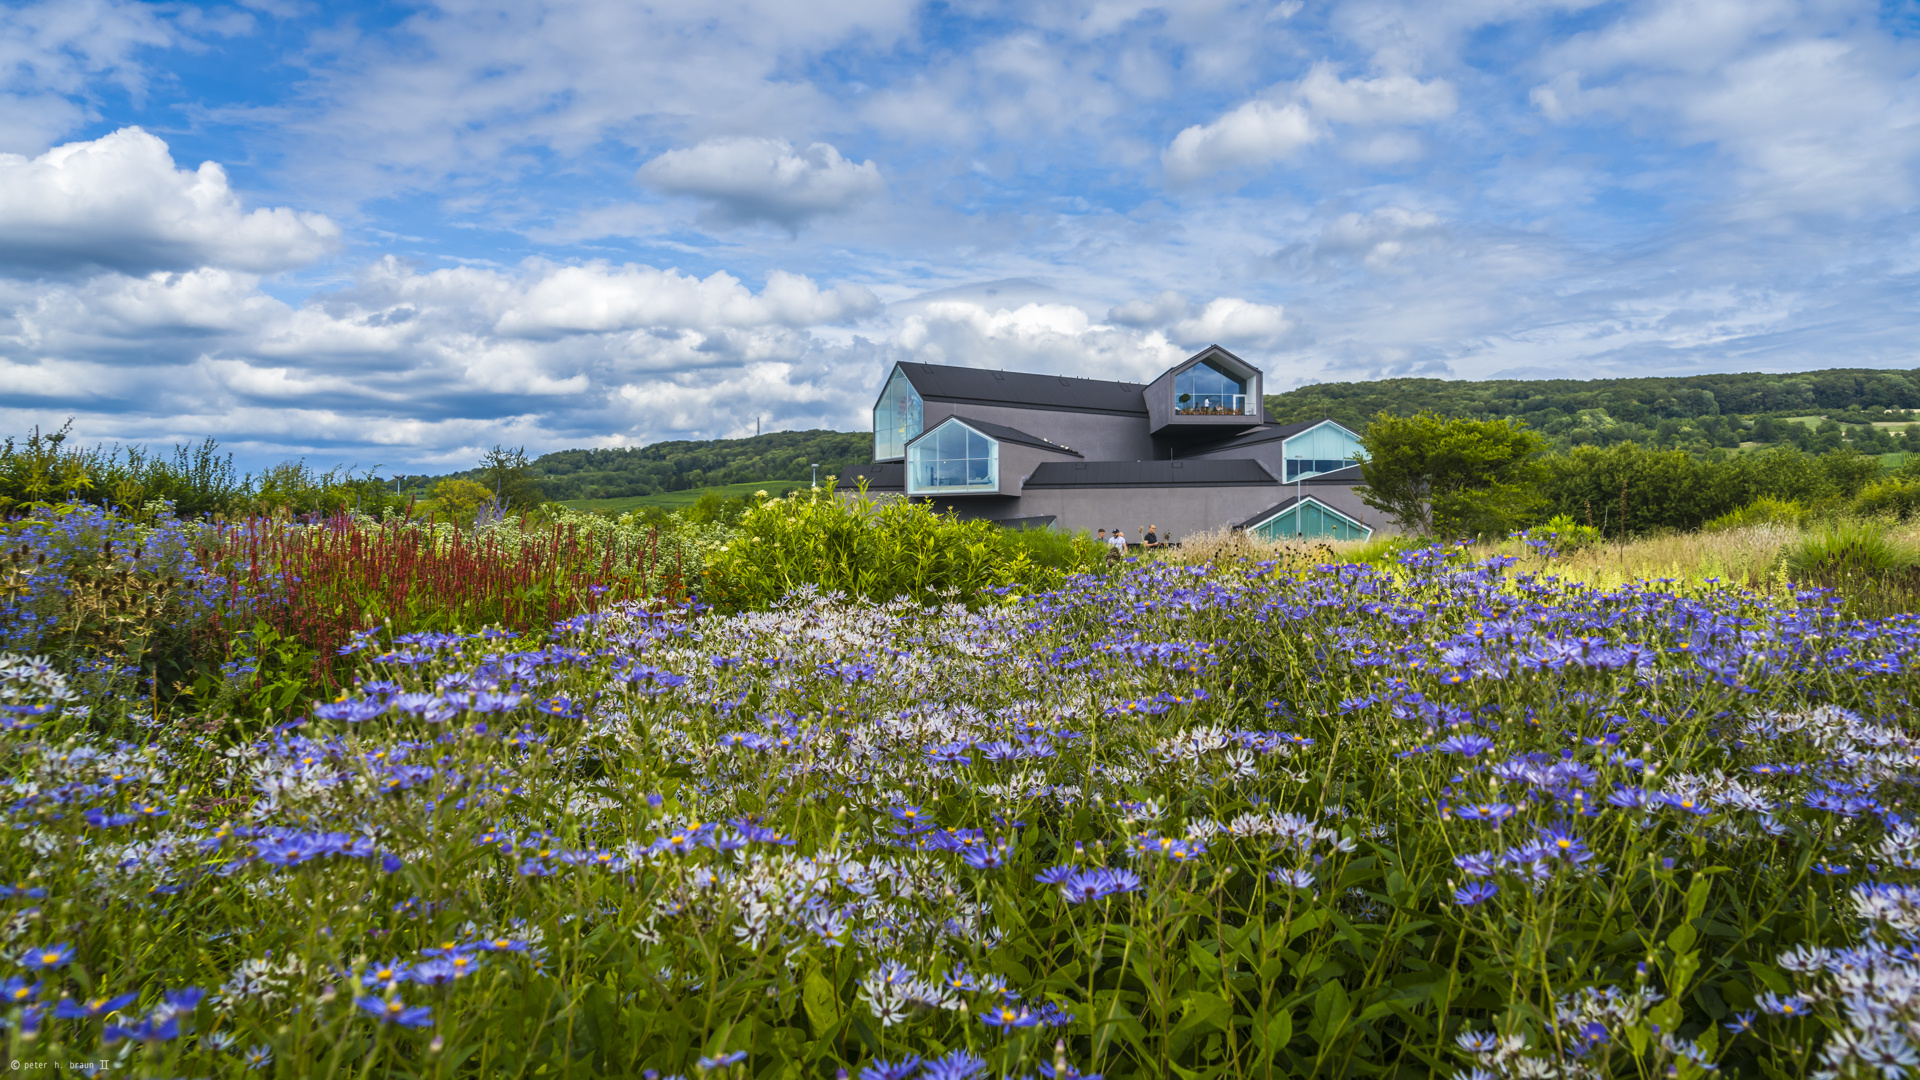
x=1629, y=489
x=1765, y=510
x=458, y=501
x=43, y=470
x=872, y=550
x=1842, y=548
x=1567, y=535
x=681, y=465
x=1696, y=412
x=293, y=488
x=1895, y=497
x=1453, y=477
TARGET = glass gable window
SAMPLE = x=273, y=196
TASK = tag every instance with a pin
x=953, y=458
x=1320, y=450
x=1312, y=521
x=1205, y=390
x=896, y=419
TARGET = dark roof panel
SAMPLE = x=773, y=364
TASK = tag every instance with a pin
x=1001, y=432
x=1263, y=434
x=1349, y=475
x=1019, y=389
x=880, y=476
x=1220, y=472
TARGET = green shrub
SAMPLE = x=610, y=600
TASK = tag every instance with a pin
x=1895, y=498
x=873, y=550
x=1076, y=552
x=1764, y=510
x=1568, y=535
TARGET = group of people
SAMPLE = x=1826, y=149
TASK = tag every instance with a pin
x=1117, y=543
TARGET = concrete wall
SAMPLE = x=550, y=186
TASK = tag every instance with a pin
x=1097, y=436
x=1177, y=510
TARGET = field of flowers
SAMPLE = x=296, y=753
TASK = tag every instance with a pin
x=1248, y=820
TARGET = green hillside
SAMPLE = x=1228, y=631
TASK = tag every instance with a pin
x=686, y=466
x=1816, y=410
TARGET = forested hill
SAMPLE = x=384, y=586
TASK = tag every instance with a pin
x=1682, y=410
x=679, y=466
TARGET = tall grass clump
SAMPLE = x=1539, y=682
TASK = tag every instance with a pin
x=1234, y=820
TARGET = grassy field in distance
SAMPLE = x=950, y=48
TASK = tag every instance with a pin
x=674, y=500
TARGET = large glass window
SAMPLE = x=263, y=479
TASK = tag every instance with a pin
x=1312, y=521
x=896, y=419
x=1320, y=450
x=952, y=458
x=1205, y=390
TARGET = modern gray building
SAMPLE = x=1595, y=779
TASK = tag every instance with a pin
x=1190, y=451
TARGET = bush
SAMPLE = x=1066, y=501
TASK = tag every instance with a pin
x=1567, y=535
x=873, y=550
x=1762, y=511
x=1894, y=498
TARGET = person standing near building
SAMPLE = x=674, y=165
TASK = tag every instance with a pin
x=1152, y=539
x=1119, y=542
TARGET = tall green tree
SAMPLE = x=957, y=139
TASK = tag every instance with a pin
x=1450, y=476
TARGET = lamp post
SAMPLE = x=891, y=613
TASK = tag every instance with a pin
x=815, y=466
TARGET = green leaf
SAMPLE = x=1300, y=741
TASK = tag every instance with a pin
x=1697, y=895
x=821, y=1003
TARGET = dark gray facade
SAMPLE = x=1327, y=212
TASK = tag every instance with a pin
x=1190, y=451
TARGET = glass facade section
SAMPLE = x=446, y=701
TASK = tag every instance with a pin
x=953, y=458
x=1205, y=390
x=1320, y=450
x=896, y=419
x=1313, y=522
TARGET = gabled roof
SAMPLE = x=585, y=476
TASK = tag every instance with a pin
x=1286, y=504
x=1024, y=390
x=1204, y=472
x=1263, y=434
x=1001, y=432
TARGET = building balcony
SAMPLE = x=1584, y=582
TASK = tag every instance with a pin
x=1211, y=405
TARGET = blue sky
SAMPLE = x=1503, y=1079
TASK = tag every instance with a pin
x=423, y=229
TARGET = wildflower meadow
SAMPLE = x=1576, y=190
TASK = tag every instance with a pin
x=1448, y=815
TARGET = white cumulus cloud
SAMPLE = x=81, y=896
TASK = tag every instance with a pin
x=1288, y=119
x=1230, y=320
x=746, y=180
x=119, y=203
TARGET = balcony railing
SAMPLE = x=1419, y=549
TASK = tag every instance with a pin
x=1212, y=405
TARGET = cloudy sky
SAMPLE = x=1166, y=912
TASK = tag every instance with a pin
x=396, y=233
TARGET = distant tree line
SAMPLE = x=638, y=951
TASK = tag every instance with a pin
x=1695, y=412
x=679, y=466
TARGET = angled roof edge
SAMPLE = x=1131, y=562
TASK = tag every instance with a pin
x=1022, y=389
x=1001, y=432
x=1246, y=370
x=1288, y=503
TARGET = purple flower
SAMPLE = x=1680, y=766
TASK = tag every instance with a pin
x=1475, y=892
x=396, y=1011
x=882, y=1069
x=93, y=1008
x=153, y=1029
x=1089, y=885
x=1466, y=746
x=53, y=956
x=1008, y=1015
x=721, y=1061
